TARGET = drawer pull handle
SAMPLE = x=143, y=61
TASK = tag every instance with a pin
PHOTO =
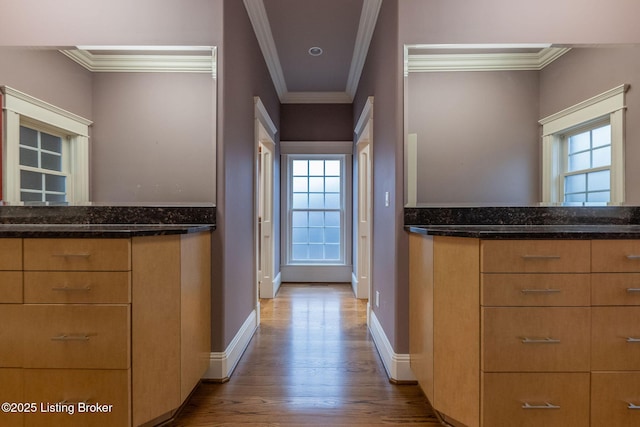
x=69, y=289
x=545, y=340
x=633, y=340
x=541, y=257
x=633, y=290
x=64, y=337
x=540, y=291
x=78, y=255
x=632, y=405
x=546, y=405
x=633, y=257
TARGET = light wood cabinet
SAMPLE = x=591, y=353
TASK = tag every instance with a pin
x=121, y=322
x=558, y=341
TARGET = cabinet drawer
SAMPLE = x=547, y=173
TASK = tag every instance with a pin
x=535, y=256
x=535, y=400
x=76, y=336
x=11, y=335
x=11, y=287
x=105, y=387
x=615, y=338
x=535, y=339
x=536, y=289
x=77, y=287
x=10, y=254
x=615, y=289
x=615, y=256
x=77, y=254
x=615, y=399
x=11, y=390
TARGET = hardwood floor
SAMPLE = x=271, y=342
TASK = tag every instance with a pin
x=311, y=362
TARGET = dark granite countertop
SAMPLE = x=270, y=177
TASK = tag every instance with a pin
x=584, y=231
x=97, y=230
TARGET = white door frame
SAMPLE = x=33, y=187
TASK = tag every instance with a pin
x=361, y=278
x=266, y=274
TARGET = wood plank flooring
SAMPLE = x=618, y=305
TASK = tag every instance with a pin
x=311, y=362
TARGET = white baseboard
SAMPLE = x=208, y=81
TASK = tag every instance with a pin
x=221, y=365
x=396, y=365
x=354, y=283
x=270, y=289
x=276, y=284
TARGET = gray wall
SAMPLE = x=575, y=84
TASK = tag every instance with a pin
x=474, y=129
x=316, y=122
x=243, y=75
x=586, y=72
x=153, y=137
x=382, y=78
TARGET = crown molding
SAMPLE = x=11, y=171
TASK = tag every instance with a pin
x=137, y=62
x=423, y=63
x=316, y=98
x=368, y=19
x=260, y=22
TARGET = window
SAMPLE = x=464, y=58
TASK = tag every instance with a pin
x=316, y=237
x=587, y=171
x=316, y=210
x=583, y=152
x=45, y=153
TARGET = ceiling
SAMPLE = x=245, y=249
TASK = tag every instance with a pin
x=287, y=29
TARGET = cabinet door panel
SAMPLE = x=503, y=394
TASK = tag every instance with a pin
x=11, y=287
x=615, y=399
x=10, y=254
x=535, y=256
x=77, y=254
x=77, y=287
x=11, y=390
x=615, y=256
x=615, y=339
x=615, y=288
x=541, y=290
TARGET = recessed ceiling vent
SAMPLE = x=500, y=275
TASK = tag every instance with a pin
x=315, y=51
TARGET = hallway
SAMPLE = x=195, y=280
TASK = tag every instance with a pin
x=311, y=362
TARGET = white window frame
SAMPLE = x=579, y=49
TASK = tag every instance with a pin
x=609, y=104
x=330, y=271
x=21, y=109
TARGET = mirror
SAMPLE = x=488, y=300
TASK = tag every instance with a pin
x=152, y=108
x=472, y=112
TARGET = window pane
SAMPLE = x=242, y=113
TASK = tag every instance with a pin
x=28, y=137
x=332, y=201
x=316, y=219
x=316, y=185
x=51, y=162
x=299, y=219
x=300, y=184
x=316, y=201
x=30, y=180
x=599, y=196
x=55, y=198
x=55, y=183
x=316, y=167
x=300, y=235
x=315, y=235
x=332, y=168
x=575, y=183
x=332, y=252
x=602, y=157
x=51, y=143
x=579, y=142
x=332, y=235
x=598, y=181
x=602, y=136
x=300, y=252
x=332, y=219
x=300, y=168
x=28, y=157
x=30, y=197
x=332, y=185
x=300, y=201
x=316, y=252
x=578, y=197
x=579, y=161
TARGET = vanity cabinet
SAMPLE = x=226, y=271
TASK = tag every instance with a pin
x=527, y=332
x=121, y=322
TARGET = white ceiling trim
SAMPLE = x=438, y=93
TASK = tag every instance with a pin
x=132, y=62
x=368, y=19
x=260, y=22
x=424, y=63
